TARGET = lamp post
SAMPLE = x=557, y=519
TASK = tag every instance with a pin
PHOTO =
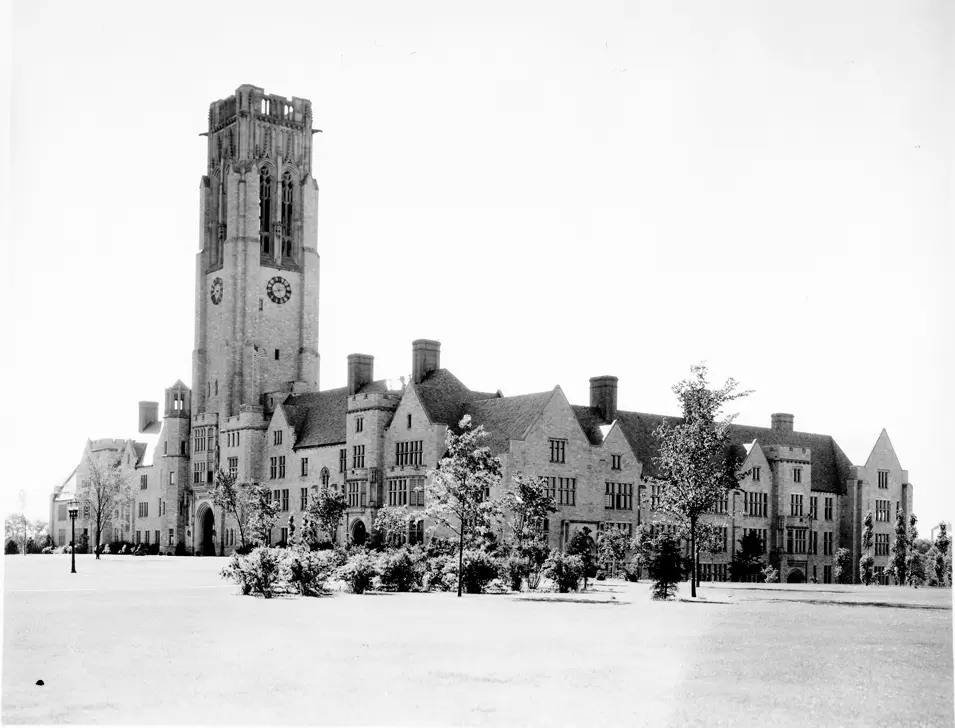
x=73, y=509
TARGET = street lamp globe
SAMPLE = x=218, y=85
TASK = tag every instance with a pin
x=74, y=507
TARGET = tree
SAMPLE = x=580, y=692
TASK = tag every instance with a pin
x=915, y=569
x=665, y=566
x=16, y=528
x=261, y=510
x=900, y=548
x=866, y=562
x=291, y=530
x=696, y=464
x=526, y=504
x=582, y=544
x=612, y=546
x=457, y=495
x=942, y=542
x=229, y=497
x=323, y=514
x=106, y=489
x=843, y=570
x=748, y=559
x=643, y=548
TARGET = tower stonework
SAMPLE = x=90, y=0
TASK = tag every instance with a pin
x=257, y=269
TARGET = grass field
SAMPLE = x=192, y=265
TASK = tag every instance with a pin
x=165, y=640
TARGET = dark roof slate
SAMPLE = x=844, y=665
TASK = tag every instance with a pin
x=319, y=418
x=590, y=422
x=444, y=397
x=830, y=466
x=506, y=418
x=140, y=448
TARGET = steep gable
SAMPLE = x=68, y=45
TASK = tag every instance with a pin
x=590, y=422
x=883, y=454
x=443, y=397
x=507, y=418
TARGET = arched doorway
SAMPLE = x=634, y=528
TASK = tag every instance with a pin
x=358, y=532
x=795, y=577
x=205, y=525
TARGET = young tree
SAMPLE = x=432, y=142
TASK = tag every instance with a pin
x=526, y=503
x=643, y=548
x=261, y=510
x=291, y=530
x=696, y=463
x=16, y=528
x=612, y=546
x=900, y=548
x=866, y=562
x=915, y=569
x=323, y=513
x=582, y=544
x=665, y=567
x=457, y=495
x=942, y=542
x=106, y=488
x=228, y=496
x=748, y=559
x=843, y=570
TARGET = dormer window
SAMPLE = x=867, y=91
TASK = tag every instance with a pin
x=615, y=462
x=756, y=474
x=409, y=420
x=277, y=437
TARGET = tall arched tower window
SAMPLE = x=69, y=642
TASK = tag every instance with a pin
x=287, y=192
x=265, y=211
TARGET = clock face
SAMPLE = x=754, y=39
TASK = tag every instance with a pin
x=216, y=292
x=279, y=290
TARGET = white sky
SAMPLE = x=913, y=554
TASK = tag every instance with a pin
x=554, y=193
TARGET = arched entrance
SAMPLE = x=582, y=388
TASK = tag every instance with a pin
x=795, y=577
x=358, y=532
x=205, y=526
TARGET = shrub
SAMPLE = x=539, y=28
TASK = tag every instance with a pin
x=564, y=570
x=440, y=572
x=244, y=550
x=771, y=574
x=47, y=550
x=665, y=567
x=358, y=572
x=536, y=552
x=441, y=547
x=633, y=567
x=399, y=571
x=263, y=571
x=516, y=569
x=480, y=569
x=11, y=547
x=309, y=570
x=180, y=549
x=865, y=569
x=153, y=549
x=81, y=548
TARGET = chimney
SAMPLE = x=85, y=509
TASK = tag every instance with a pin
x=148, y=414
x=781, y=422
x=361, y=371
x=426, y=358
x=603, y=397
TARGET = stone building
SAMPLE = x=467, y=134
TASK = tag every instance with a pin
x=255, y=408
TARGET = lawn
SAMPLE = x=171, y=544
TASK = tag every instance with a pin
x=165, y=640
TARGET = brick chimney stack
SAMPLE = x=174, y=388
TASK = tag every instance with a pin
x=426, y=358
x=361, y=371
x=603, y=397
x=781, y=422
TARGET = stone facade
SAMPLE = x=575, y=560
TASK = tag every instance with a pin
x=255, y=407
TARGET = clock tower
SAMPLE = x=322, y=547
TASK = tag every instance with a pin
x=257, y=266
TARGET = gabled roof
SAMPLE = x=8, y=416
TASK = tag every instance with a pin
x=444, y=397
x=140, y=449
x=319, y=418
x=507, y=418
x=830, y=466
x=590, y=422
